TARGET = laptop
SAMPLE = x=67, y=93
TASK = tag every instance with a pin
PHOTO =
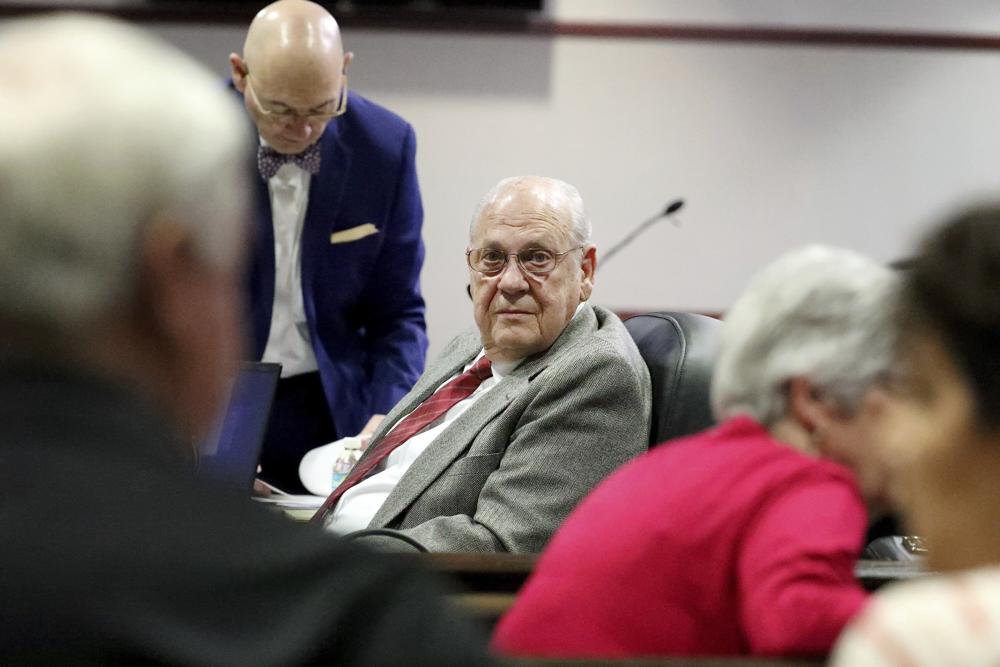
x=232, y=450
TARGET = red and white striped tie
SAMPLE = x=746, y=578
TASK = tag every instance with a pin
x=426, y=413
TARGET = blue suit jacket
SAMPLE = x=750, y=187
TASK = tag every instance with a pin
x=362, y=297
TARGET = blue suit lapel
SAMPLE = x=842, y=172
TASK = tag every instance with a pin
x=326, y=190
x=261, y=276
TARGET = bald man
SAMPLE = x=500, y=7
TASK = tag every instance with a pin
x=334, y=280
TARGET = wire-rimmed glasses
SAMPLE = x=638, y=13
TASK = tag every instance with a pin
x=284, y=115
x=536, y=261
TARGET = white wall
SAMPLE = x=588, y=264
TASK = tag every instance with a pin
x=974, y=16
x=772, y=146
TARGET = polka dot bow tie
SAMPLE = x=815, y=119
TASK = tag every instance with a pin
x=269, y=161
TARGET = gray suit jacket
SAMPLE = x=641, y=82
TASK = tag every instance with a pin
x=506, y=473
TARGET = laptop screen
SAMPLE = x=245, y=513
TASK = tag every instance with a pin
x=231, y=452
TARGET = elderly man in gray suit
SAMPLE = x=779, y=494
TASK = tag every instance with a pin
x=519, y=418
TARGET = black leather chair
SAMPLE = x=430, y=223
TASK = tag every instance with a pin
x=679, y=349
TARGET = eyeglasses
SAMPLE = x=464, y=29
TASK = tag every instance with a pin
x=292, y=114
x=536, y=261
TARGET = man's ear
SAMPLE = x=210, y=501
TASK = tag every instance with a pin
x=238, y=70
x=169, y=268
x=588, y=267
x=348, y=59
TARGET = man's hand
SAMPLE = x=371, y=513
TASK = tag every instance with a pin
x=260, y=488
x=366, y=432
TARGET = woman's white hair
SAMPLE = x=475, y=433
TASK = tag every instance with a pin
x=820, y=313
x=558, y=193
x=106, y=128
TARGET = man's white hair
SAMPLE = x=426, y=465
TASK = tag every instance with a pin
x=104, y=128
x=820, y=313
x=560, y=193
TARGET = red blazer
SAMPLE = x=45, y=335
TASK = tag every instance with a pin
x=726, y=542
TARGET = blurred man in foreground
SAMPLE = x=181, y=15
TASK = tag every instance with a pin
x=121, y=218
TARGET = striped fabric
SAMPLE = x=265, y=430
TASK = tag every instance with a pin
x=430, y=410
x=950, y=620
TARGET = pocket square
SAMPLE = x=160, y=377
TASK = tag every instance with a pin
x=353, y=234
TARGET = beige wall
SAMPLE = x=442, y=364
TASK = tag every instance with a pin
x=772, y=146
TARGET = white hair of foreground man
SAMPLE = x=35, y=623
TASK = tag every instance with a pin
x=560, y=194
x=820, y=313
x=104, y=129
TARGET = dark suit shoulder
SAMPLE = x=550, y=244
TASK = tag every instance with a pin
x=371, y=126
x=117, y=553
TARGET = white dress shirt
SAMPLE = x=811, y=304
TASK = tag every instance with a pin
x=359, y=504
x=288, y=341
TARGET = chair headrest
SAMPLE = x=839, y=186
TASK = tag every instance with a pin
x=680, y=350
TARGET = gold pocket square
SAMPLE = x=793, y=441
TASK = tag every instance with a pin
x=353, y=234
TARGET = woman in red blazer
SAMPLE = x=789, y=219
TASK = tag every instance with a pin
x=741, y=539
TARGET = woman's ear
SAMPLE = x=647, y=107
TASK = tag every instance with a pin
x=810, y=410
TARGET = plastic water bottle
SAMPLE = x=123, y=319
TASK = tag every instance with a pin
x=345, y=461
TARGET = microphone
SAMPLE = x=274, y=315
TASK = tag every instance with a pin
x=668, y=210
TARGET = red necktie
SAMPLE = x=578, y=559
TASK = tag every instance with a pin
x=427, y=412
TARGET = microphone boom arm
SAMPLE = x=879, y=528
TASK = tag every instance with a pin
x=670, y=209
